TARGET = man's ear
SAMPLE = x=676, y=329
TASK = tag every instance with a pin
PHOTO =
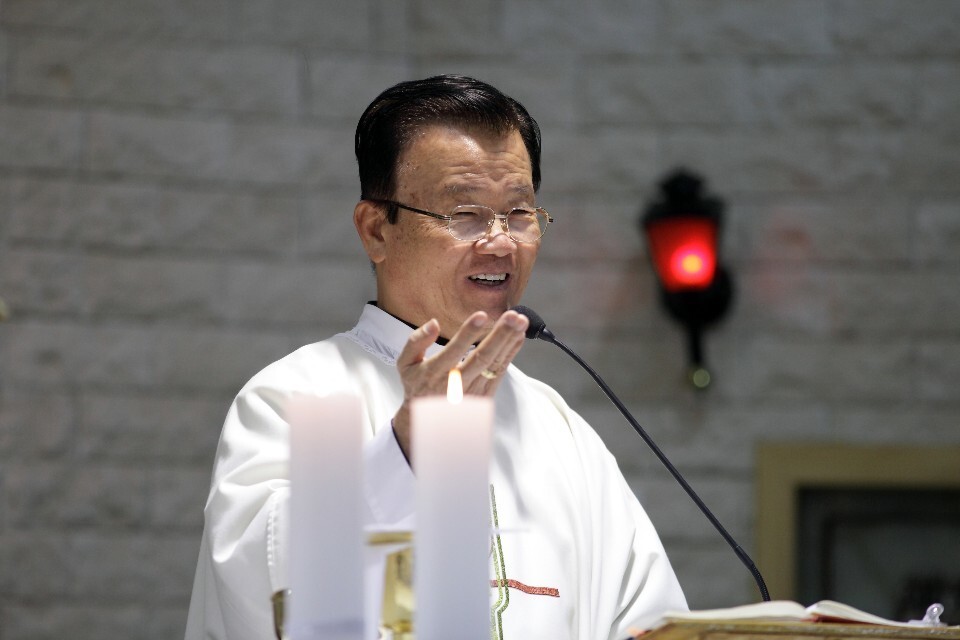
x=369, y=219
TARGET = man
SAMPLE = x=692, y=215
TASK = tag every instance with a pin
x=449, y=169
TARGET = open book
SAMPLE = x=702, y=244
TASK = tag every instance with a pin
x=782, y=610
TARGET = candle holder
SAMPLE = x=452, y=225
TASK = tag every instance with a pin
x=279, y=602
x=399, y=602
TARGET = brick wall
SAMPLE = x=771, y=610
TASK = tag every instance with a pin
x=176, y=186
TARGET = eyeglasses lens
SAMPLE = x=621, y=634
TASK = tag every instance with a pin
x=472, y=223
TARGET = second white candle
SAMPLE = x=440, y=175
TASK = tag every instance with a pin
x=451, y=458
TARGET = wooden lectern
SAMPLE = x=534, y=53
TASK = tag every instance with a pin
x=794, y=630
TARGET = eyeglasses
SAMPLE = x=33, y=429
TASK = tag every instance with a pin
x=470, y=222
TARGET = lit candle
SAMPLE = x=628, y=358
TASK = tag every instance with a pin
x=326, y=546
x=451, y=457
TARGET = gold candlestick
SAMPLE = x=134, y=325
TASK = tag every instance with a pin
x=279, y=601
x=399, y=603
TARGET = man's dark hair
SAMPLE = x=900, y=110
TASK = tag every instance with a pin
x=399, y=113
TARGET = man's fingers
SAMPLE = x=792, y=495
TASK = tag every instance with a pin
x=417, y=344
x=469, y=331
x=497, y=349
x=460, y=343
x=423, y=376
x=483, y=365
x=492, y=356
x=511, y=353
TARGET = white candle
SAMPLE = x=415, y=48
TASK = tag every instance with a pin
x=326, y=545
x=451, y=457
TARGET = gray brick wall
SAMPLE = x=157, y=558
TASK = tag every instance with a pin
x=176, y=184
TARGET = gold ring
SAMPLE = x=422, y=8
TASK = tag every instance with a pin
x=489, y=375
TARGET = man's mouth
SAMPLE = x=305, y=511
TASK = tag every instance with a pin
x=489, y=279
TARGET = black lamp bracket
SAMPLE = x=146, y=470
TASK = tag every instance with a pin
x=682, y=195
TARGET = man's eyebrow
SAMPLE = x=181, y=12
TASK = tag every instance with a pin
x=461, y=188
x=523, y=190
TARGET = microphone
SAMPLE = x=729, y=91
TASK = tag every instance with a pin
x=537, y=330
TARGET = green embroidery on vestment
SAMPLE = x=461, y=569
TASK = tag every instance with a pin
x=503, y=593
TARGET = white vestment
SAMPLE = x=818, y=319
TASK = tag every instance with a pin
x=584, y=563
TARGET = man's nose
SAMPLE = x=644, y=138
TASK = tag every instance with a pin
x=497, y=240
x=498, y=224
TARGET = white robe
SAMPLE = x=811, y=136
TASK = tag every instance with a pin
x=585, y=563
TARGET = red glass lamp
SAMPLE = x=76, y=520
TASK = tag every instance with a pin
x=684, y=251
x=682, y=228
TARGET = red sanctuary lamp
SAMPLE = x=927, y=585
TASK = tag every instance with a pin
x=682, y=227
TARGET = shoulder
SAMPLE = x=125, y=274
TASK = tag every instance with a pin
x=318, y=369
x=316, y=366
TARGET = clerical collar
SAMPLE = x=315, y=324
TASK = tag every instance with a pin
x=440, y=339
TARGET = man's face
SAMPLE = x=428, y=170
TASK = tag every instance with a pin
x=427, y=273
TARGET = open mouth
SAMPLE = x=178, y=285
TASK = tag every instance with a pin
x=489, y=279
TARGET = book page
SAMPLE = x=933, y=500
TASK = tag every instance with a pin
x=774, y=610
x=829, y=610
x=782, y=610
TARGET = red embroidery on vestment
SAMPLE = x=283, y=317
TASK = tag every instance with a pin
x=519, y=586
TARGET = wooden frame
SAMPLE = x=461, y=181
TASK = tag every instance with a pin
x=784, y=468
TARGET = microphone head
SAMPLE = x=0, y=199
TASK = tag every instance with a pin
x=537, y=327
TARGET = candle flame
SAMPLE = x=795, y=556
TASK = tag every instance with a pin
x=454, y=386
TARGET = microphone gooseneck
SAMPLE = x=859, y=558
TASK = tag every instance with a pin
x=537, y=330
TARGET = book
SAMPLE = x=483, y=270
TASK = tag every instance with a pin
x=783, y=610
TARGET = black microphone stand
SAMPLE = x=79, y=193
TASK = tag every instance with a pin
x=538, y=330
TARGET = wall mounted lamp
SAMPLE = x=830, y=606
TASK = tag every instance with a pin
x=682, y=228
